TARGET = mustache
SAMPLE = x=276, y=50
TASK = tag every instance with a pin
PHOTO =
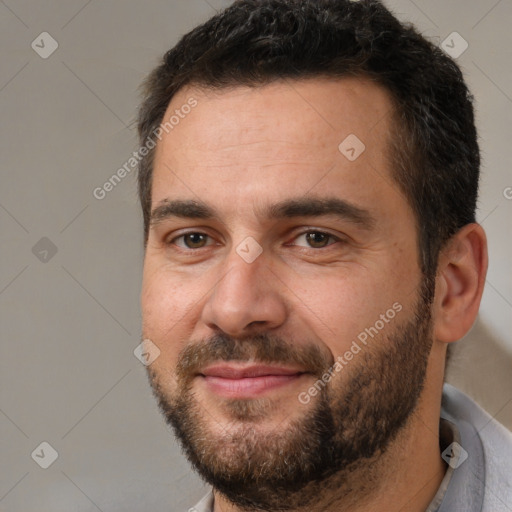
x=259, y=348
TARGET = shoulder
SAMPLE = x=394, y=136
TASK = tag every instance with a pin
x=205, y=505
x=496, y=447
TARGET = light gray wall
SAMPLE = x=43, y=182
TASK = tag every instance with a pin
x=70, y=320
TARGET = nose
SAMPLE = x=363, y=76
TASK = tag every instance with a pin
x=246, y=299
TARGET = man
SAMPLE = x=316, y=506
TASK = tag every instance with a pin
x=308, y=188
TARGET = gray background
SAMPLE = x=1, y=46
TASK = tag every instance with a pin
x=70, y=320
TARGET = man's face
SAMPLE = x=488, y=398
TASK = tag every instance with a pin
x=280, y=247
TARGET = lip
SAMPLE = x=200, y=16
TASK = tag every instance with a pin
x=237, y=381
x=229, y=371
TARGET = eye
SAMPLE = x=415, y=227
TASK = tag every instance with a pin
x=316, y=239
x=193, y=240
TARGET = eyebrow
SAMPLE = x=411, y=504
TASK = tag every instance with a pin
x=288, y=208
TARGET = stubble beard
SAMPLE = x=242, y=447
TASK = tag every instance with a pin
x=344, y=428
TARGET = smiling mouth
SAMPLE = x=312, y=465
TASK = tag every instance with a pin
x=236, y=381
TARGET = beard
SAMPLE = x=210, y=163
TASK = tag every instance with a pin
x=351, y=421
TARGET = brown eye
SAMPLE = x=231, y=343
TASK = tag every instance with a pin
x=195, y=240
x=191, y=241
x=317, y=239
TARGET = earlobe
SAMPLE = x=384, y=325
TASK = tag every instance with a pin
x=460, y=281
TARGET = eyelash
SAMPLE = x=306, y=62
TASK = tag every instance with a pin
x=302, y=233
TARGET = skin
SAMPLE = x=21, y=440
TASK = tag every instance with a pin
x=243, y=149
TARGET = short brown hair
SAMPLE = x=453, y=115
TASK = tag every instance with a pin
x=254, y=42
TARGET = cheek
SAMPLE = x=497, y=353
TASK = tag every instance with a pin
x=358, y=303
x=171, y=305
x=165, y=306
x=160, y=324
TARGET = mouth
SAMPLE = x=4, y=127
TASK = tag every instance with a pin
x=237, y=381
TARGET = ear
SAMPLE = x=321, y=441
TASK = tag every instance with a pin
x=460, y=282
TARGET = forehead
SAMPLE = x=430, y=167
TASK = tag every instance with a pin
x=292, y=136
x=304, y=110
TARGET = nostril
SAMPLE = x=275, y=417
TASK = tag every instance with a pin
x=257, y=322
